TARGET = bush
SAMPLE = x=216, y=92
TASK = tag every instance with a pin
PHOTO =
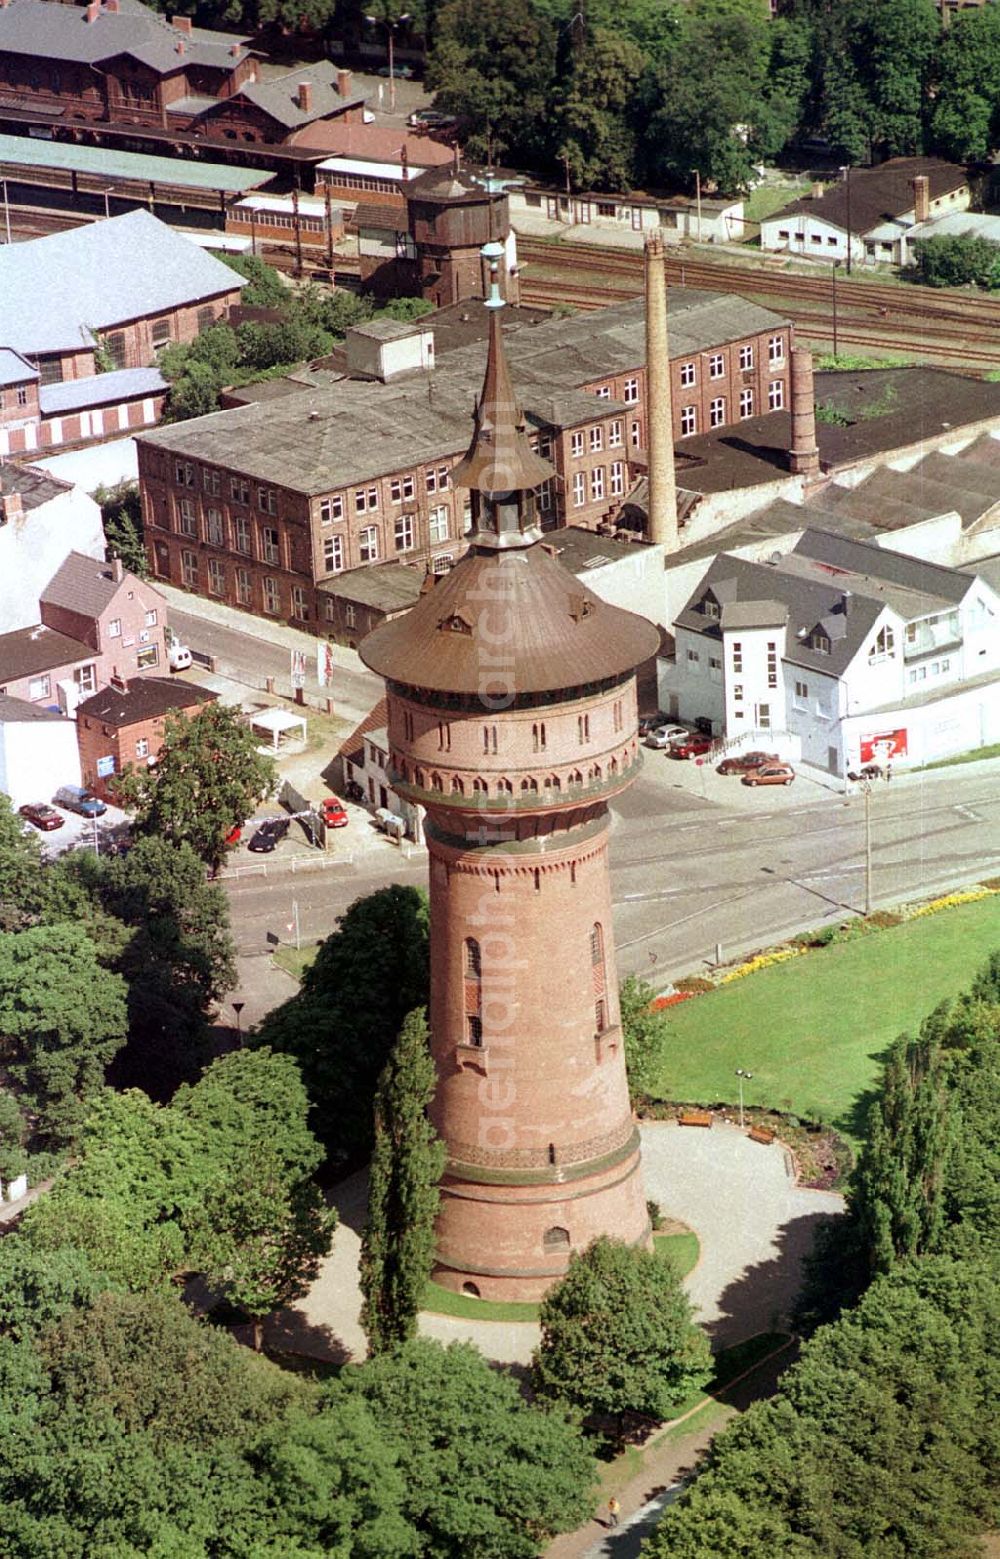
x=957, y=262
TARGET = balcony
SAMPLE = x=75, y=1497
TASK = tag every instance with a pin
x=930, y=639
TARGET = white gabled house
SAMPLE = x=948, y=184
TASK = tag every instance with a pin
x=840, y=652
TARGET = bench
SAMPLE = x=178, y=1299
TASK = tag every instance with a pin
x=761, y=1134
x=695, y=1118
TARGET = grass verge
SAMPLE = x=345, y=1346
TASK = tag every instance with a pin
x=294, y=960
x=683, y=1250
x=974, y=756
x=441, y=1301
x=812, y=1030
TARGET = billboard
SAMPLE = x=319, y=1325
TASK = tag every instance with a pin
x=883, y=747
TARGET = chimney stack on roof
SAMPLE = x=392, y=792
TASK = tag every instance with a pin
x=803, y=457
x=305, y=96
x=922, y=198
x=117, y=570
x=182, y=23
x=816, y=192
x=659, y=405
x=93, y=10
x=118, y=682
x=11, y=508
x=344, y=82
x=234, y=50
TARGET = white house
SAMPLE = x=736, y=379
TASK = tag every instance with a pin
x=902, y=192
x=893, y=240
x=851, y=650
x=38, y=751
x=42, y=520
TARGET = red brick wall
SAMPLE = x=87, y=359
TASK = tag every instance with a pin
x=11, y=409
x=96, y=740
x=119, y=654
x=20, y=687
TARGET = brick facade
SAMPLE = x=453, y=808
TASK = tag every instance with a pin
x=127, y=742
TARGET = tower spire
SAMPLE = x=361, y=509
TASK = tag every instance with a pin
x=500, y=467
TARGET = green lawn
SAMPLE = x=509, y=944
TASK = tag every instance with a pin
x=766, y=199
x=682, y=1249
x=295, y=960
x=811, y=1030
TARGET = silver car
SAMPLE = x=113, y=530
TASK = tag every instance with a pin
x=662, y=735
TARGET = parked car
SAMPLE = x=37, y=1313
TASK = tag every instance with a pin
x=269, y=835
x=649, y=723
x=235, y=834
x=770, y=774
x=77, y=798
x=662, y=735
x=743, y=762
x=401, y=72
x=689, y=746
x=42, y=815
x=333, y=813
x=178, y=654
x=431, y=119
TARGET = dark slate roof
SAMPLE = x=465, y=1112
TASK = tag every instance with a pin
x=883, y=567
x=81, y=584
x=36, y=487
x=30, y=650
x=754, y=614
x=62, y=32
x=389, y=587
x=143, y=699
x=878, y=193
x=352, y=749
x=17, y=711
x=278, y=96
x=55, y=292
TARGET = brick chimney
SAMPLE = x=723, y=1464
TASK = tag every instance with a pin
x=182, y=23
x=93, y=10
x=922, y=198
x=305, y=97
x=117, y=570
x=344, y=82
x=11, y=508
x=234, y=50
x=112, y=6
x=816, y=192
x=803, y=457
x=659, y=404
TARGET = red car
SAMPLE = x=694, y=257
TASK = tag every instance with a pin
x=332, y=813
x=743, y=762
x=42, y=815
x=235, y=834
x=770, y=774
x=691, y=747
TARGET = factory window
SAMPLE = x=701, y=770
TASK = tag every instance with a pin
x=689, y=375
x=473, y=1030
x=270, y=549
x=22, y=395
x=716, y=366
x=442, y=563
x=717, y=412
x=403, y=531
x=300, y=607
x=115, y=628
x=617, y=478
x=241, y=533
x=772, y=665
x=615, y=435
x=746, y=357
x=243, y=587
x=635, y=434
x=401, y=487
x=883, y=647
x=715, y=668
x=596, y=440
x=631, y=394
x=267, y=500
x=211, y=481
x=333, y=554
x=597, y=483
x=579, y=489
x=184, y=473
x=689, y=420
x=189, y=569
x=365, y=498
x=160, y=333
x=473, y=959
x=368, y=544
x=537, y=737
x=187, y=517
x=216, y=533
x=331, y=509
x=216, y=577
x=776, y=394
x=151, y=619
x=576, y=445
x=350, y=615
x=438, y=523
x=603, y=392
x=746, y=403
x=801, y=693
x=38, y=687
x=115, y=346
x=737, y=657
x=239, y=490
x=555, y=1239
x=776, y=349
x=142, y=747
x=272, y=596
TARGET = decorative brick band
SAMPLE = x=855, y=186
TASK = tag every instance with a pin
x=475, y=1270
x=461, y=1153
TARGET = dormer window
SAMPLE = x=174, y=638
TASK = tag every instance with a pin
x=820, y=641
x=456, y=623
x=710, y=607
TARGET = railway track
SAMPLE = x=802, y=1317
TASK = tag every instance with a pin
x=956, y=331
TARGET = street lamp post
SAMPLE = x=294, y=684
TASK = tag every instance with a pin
x=743, y=1075
x=836, y=266
x=697, y=196
x=390, y=27
x=846, y=171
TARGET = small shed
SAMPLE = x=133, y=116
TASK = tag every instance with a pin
x=276, y=725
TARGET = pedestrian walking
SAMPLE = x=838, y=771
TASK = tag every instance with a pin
x=614, y=1511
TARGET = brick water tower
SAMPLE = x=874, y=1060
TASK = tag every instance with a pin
x=513, y=721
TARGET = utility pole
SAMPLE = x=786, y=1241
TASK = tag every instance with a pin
x=697, y=196
x=836, y=263
x=868, y=848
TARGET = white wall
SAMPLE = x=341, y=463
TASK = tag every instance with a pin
x=34, y=547
x=636, y=583
x=820, y=240
x=36, y=757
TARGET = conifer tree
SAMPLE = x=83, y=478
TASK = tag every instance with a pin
x=398, y=1242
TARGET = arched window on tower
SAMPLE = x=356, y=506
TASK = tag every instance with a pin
x=457, y=788
x=538, y=736
x=529, y=785
x=599, y=979
x=505, y=787
x=435, y=781
x=480, y=786
x=473, y=992
x=553, y=782
x=555, y=1239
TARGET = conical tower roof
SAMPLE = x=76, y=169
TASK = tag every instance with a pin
x=500, y=458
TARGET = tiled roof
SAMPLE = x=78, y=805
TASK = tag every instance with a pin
x=57, y=291
x=352, y=749
x=35, y=486
x=278, y=96
x=83, y=585
x=143, y=699
x=375, y=143
x=27, y=651
x=17, y=711
x=62, y=32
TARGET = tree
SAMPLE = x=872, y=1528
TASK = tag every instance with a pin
x=121, y=515
x=492, y=65
x=397, y=1246
x=896, y=1195
x=22, y=878
x=965, y=123
x=957, y=262
x=178, y=958
x=209, y=778
x=617, y=1334
x=341, y=1026
x=643, y=1033
x=486, y=1476
x=266, y=289
x=593, y=133
x=194, y=392
x=37, y=1288
x=62, y=1020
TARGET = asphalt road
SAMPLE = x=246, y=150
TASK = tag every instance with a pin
x=690, y=872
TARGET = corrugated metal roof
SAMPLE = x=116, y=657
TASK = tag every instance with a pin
x=55, y=292
x=18, y=151
x=100, y=390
